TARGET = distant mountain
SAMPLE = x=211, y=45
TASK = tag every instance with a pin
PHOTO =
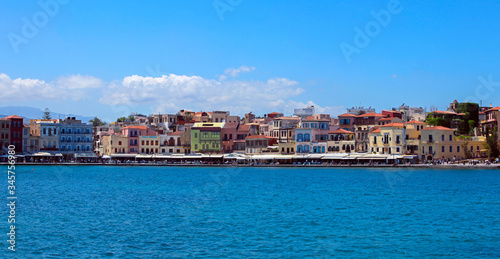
x=34, y=113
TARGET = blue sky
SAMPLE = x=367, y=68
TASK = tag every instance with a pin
x=109, y=58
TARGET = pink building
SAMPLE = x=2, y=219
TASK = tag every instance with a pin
x=133, y=133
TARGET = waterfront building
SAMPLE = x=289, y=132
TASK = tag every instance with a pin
x=413, y=136
x=363, y=123
x=311, y=135
x=171, y=143
x=4, y=136
x=133, y=133
x=340, y=141
x=114, y=144
x=48, y=132
x=440, y=143
x=16, y=132
x=256, y=144
x=490, y=121
x=228, y=136
x=242, y=132
x=149, y=144
x=346, y=121
x=206, y=137
x=75, y=138
x=26, y=138
x=388, y=139
x=283, y=128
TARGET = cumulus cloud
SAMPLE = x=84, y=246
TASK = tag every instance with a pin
x=173, y=90
x=79, y=82
x=70, y=87
x=25, y=89
x=234, y=72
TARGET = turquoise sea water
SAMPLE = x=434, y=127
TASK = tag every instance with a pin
x=177, y=212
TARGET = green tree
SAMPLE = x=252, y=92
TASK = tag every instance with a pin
x=131, y=118
x=97, y=122
x=465, y=147
x=492, y=145
x=121, y=119
x=46, y=114
x=472, y=125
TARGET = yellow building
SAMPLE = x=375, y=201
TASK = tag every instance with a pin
x=114, y=144
x=340, y=141
x=388, y=139
x=439, y=143
x=149, y=144
x=412, y=138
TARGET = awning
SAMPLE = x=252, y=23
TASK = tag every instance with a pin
x=144, y=156
x=301, y=156
x=42, y=154
x=409, y=157
x=333, y=156
x=88, y=155
x=163, y=156
x=316, y=156
x=263, y=157
x=211, y=156
x=106, y=157
x=373, y=157
x=283, y=157
x=123, y=155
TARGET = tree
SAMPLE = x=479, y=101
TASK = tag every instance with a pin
x=492, y=145
x=97, y=122
x=465, y=147
x=46, y=114
x=472, y=125
x=131, y=118
x=121, y=119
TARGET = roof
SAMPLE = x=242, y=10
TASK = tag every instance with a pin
x=244, y=127
x=415, y=122
x=377, y=130
x=387, y=119
x=230, y=125
x=13, y=117
x=437, y=128
x=394, y=124
x=177, y=133
x=371, y=114
x=462, y=113
x=275, y=113
x=259, y=136
x=340, y=131
x=443, y=112
x=312, y=118
x=493, y=109
x=347, y=115
x=135, y=127
x=391, y=111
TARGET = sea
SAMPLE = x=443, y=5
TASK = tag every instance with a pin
x=252, y=212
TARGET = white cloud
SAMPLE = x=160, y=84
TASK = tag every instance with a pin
x=70, y=87
x=194, y=91
x=234, y=72
x=25, y=89
x=79, y=82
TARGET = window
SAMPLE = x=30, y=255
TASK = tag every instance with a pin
x=442, y=147
x=195, y=135
x=451, y=138
x=397, y=149
x=442, y=137
x=119, y=143
x=458, y=148
x=451, y=149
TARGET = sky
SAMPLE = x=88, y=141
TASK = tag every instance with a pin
x=111, y=58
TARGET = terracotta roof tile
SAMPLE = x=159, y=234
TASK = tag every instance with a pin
x=340, y=131
x=437, y=128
